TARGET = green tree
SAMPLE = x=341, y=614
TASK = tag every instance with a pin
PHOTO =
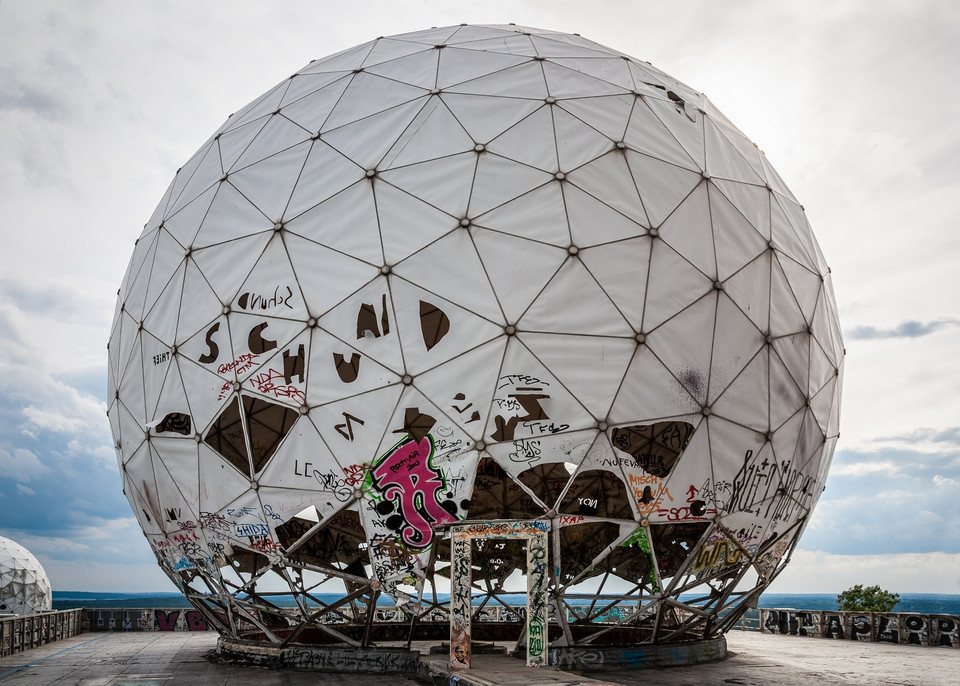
x=869, y=599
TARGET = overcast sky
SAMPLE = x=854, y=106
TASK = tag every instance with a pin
x=856, y=104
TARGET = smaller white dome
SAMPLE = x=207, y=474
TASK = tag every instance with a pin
x=24, y=586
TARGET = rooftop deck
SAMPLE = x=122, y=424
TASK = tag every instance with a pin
x=169, y=658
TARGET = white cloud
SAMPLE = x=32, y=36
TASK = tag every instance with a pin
x=864, y=468
x=918, y=440
x=102, y=106
x=57, y=545
x=49, y=420
x=21, y=465
x=814, y=571
x=99, y=574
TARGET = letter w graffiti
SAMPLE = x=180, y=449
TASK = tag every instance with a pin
x=406, y=478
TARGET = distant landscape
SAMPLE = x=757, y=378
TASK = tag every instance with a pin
x=920, y=603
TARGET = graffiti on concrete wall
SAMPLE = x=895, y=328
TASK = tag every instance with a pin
x=326, y=659
x=537, y=611
x=946, y=631
x=792, y=623
x=460, y=601
x=140, y=619
x=190, y=620
x=891, y=627
x=120, y=620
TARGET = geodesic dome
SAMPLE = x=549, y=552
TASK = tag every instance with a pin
x=24, y=587
x=476, y=274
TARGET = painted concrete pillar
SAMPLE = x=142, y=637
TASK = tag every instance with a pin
x=535, y=533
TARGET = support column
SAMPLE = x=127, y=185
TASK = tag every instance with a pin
x=461, y=608
x=537, y=605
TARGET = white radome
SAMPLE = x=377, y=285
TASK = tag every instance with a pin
x=476, y=273
x=24, y=586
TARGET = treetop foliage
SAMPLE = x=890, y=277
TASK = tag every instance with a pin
x=867, y=599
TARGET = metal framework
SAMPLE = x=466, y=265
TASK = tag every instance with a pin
x=475, y=276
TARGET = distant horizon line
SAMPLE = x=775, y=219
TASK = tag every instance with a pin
x=518, y=592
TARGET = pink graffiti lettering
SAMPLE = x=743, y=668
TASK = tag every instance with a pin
x=406, y=478
x=196, y=621
x=166, y=621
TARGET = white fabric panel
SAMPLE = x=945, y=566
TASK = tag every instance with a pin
x=749, y=289
x=554, y=310
x=753, y=202
x=368, y=94
x=608, y=179
x=519, y=269
x=735, y=341
x=538, y=215
x=432, y=134
x=230, y=217
x=739, y=401
x=590, y=367
x=365, y=142
x=326, y=384
x=608, y=115
x=684, y=343
x=374, y=342
x=458, y=65
x=577, y=143
x=736, y=241
x=621, y=268
x=688, y=230
x=311, y=112
x=531, y=141
x=452, y=259
x=400, y=59
x=650, y=392
x=205, y=305
x=195, y=177
x=323, y=173
x=592, y=222
x=662, y=186
x=467, y=328
x=499, y=180
x=611, y=70
x=472, y=411
x=443, y=183
x=724, y=159
x=346, y=223
x=673, y=283
x=350, y=274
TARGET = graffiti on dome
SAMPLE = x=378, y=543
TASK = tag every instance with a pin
x=655, y=447
x=411, y=493
x=434, y=326
x=770, y=489
x=175, y=422
x=325, y=365
x=519, y=405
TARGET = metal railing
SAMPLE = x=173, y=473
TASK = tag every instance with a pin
x=23, y=632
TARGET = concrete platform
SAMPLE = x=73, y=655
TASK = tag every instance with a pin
x=171, y=658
